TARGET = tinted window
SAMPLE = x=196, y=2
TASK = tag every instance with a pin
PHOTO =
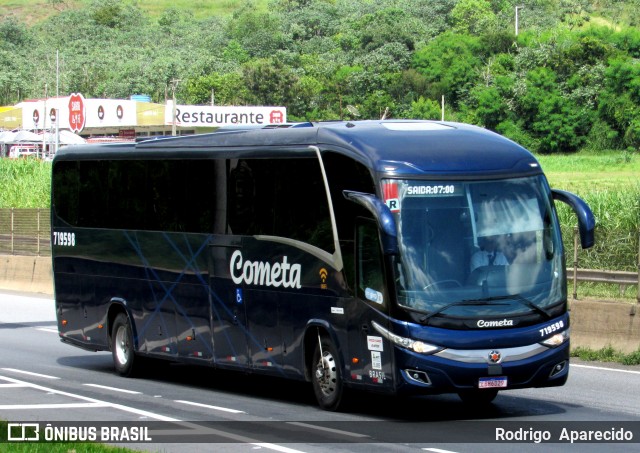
x=280, y=197
x=164, y=195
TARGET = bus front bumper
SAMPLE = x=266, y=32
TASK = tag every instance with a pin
x=458, y=370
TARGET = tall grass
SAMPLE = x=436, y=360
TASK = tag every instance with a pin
x=610, y=184
x=25, y=183
x=617, y=229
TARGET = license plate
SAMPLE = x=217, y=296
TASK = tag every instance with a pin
x=492, y=383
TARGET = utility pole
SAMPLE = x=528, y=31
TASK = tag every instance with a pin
x=517, y=8
x=57, y=74
x=44, y=121
x=174, y=86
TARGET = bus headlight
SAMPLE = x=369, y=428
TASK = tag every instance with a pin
x=557, y=339
x=407, y=343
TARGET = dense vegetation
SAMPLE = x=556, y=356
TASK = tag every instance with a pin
x=569, y=80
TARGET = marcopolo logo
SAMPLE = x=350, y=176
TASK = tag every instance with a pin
x=264, y=274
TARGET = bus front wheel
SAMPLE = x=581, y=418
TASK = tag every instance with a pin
x=122, y=348
x=326, y=375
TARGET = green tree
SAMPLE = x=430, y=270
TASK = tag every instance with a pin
x=620, y=102
x=473, y=16
x=427, y=109
x=450, y=65
x=269, y=82
x=115, y=14
x=557, y=122
x=224, y=89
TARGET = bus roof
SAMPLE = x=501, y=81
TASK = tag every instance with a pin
x=394, y=147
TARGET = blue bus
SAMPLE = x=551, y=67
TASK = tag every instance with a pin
x=400, y=257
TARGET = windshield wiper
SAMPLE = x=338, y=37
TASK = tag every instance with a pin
x=488, y=301
x=524, y=301
x=460, y=303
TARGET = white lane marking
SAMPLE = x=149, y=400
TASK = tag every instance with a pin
x=12, y=385
x=52, y=406
x=190, y=429
x=277, y=448
x=217, y=408
x=331, y=430
x=47, y=329
x=92, y=400
x=604, y=368
x=144, y=413
x=46, y=376
x=438, y=450
x=113, y=389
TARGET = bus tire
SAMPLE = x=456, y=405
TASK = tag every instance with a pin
x=122, y=349
x=478, y=397
x=326, y=376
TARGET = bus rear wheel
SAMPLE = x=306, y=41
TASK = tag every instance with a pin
x=326, y=375
x=122, y=347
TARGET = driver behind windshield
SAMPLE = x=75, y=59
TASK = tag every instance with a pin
x=490, y=252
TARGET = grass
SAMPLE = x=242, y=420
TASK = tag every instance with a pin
x=30, y=11
x=610, y=183
x=25, y=183
x=588, y=172
x=54, y=447
x=606, y=354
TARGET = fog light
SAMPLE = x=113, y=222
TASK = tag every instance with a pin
x=558, y=368
x=418, y=376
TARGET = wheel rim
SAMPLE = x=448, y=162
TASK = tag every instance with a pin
x=327, y=374
x=122, y=346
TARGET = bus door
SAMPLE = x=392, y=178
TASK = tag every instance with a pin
x=193, y=323
x=228, y=313
x=264, y=334
x=75, y=304
x=373, y=352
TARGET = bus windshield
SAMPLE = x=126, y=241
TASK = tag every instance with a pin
x=477, y=249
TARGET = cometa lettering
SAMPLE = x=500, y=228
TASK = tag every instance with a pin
x=501, y=323
x=264, y=274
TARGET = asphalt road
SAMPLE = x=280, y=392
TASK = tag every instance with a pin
x=186, y=408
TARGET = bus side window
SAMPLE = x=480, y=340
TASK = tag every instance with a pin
x=370, y=265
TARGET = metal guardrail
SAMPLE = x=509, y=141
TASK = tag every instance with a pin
x=621, y=278
x=25, y=232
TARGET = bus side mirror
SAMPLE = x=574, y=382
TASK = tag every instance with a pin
x=382, y=214
x=586, y=220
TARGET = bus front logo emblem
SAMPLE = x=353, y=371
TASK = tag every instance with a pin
x=495, y=357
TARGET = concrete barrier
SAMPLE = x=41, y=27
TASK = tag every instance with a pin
x=594, y=324
x=597, y=324
x=31, y=274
